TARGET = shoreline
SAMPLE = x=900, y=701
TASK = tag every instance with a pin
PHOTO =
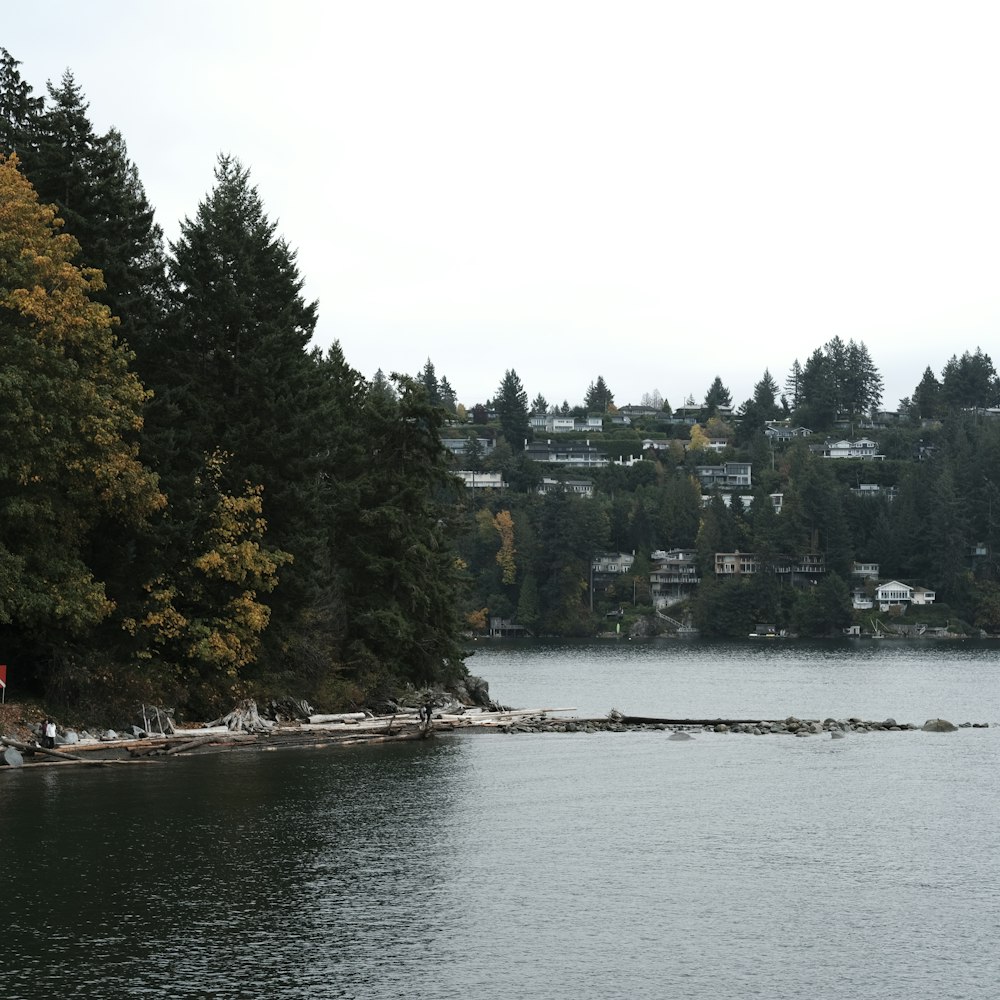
x=345, y=731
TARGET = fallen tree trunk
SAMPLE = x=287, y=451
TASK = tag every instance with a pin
x=57, y=754
x=319, y=720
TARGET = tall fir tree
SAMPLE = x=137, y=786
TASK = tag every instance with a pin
x=511, y=404
x=599, y=398
x=927, y=395
x=232, y=374
x=401, y=575
x=716, y=396
x=19, y=110
x=98, y=194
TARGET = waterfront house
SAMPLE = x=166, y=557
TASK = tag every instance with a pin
x=893, y=592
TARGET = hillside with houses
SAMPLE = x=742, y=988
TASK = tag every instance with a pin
x=719, y=518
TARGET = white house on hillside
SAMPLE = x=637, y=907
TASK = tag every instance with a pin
x=896, y=593
x=862, y=448
x=482, y=480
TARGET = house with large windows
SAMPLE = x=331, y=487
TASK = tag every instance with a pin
x=863, y=448
x=900, y=595
x=572, y=454
x=673, y=576
x=731, y=475
x=798, y=569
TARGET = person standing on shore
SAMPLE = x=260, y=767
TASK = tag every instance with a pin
x=49, y=731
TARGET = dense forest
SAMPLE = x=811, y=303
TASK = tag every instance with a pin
x=198, y=505
x=194, y=504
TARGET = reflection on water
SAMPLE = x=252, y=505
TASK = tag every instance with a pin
x=550, y=866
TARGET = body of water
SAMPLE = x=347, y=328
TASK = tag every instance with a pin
x=548, y=866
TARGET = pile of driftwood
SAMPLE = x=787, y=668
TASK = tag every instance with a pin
x=245, y=728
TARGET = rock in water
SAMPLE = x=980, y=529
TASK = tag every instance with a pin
x=12, y=758
x=938, y=726
x=836, y=734
x=680, y=736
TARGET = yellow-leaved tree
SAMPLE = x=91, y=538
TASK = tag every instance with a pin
x=204, y=612
x=70, y=417
x=699, y=439
x=504, y=524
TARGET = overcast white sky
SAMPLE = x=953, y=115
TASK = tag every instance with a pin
x=658, y=193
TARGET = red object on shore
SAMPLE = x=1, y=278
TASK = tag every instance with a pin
x=3, y=675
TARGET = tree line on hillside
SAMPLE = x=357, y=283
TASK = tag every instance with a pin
x=194, y=504
x=839, y=385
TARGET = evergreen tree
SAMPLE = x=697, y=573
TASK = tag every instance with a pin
x=599, y=398
x=717, y=395
x=865, y=380
x=428, y=378
x=401, y=575
x=380, y=384
x=527, y=603
x=927, y=395
x=947, y=531
x=64, y=169
x=19, y=110
x=757, y=411
x=970, y=382
x=793, y=385
x=818, y=392
x=447, y=395
x=540, y=405
x=231, y=374
x=472, y=458
x=127, y=244
x=680, y=508
x=511, y=405
x=765, y=395
x=97, y=192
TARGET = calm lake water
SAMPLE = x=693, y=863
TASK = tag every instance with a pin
x=549, y=866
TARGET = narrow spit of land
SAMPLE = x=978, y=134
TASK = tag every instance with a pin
x=353, y=729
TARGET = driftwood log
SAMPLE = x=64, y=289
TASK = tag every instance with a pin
x=57, y=754
x=320, y=720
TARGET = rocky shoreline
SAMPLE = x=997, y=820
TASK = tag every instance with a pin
x=246, y=729
x=616, y=722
